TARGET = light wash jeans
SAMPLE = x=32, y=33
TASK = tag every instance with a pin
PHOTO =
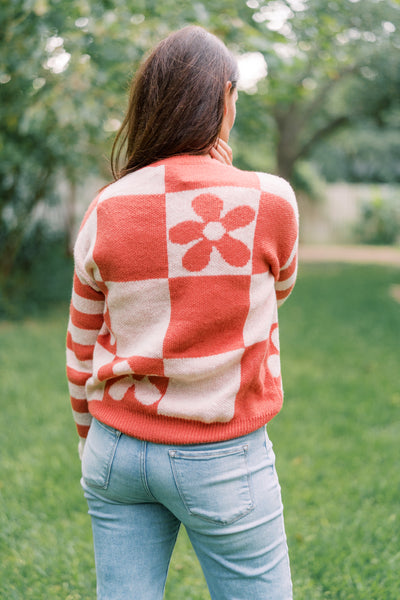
x=226, y=494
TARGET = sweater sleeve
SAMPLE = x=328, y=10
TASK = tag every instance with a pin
x=280, y=218
x=85, y=323
x=288, y=248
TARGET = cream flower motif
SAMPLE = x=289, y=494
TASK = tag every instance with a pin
x=273, y=361
x=146, y=392
x=213, y=232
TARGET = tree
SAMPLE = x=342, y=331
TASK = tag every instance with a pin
x=330, y=64
x=65, y=66
x=63, y=77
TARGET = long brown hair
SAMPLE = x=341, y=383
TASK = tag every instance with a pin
x=176, y=102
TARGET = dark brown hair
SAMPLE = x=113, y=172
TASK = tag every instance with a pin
x=176, y=103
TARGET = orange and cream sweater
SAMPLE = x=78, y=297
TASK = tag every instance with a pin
x=173, y=332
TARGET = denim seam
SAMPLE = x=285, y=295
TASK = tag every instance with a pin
x=249, y=481
x=172, y=454
x=207, y=454
x=110, y=462
x=143, y=475
x=108, y=466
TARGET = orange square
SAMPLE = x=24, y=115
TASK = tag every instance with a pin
x=195, y=172
x=207, y=315
x=258, y=384
x=131, y=238
x=275, y=234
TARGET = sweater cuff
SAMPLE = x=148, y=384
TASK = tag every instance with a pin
x=81, y=446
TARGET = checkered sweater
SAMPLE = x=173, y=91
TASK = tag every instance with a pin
x=173, y=332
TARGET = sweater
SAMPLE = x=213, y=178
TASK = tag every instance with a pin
x=173, y=332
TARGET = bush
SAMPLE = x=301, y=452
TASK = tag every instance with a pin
x=308, y=182
x=41, y=276
x=380, y=221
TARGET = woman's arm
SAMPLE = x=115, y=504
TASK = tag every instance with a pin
x=285, y=228
x=86, y=320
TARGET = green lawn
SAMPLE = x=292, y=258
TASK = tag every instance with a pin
x=336, y=440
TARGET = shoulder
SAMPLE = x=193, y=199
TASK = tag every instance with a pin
x=276, y=186
x=267, y=182
x=148, y=180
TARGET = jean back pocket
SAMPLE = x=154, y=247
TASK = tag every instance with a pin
x=213, y=484
x=98, y=454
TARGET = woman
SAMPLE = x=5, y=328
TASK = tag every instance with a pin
x=173, y=349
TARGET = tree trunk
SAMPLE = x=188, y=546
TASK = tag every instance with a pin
x=285, y=161
x=288, y=128
x=292, y=146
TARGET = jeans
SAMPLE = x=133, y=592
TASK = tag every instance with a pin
x=226, y=494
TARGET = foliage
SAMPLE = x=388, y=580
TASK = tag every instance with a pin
x=44, y=274
x=308, y=181
x=330, y=65
x=63, y=77
x=367, y=153
x=380, y=221
x=336, y=442
x=65, y=66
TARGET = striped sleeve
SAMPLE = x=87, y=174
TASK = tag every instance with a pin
x=279, y=219
x=85, y=322
x=287, y=245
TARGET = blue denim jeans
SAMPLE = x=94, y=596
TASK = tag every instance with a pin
x=226, y=494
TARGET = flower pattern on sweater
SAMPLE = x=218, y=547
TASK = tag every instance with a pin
x=146, y=393
x=213, y=232
x=180, y=268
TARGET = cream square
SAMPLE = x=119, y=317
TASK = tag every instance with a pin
x=149, y=180
x=84, y=248
x=101, y=358
x=272, y=184
x=139, y=314
x=263, y=309
x=202, y=389
x=179, y=209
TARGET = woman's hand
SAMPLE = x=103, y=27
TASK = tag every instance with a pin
x=222, y=152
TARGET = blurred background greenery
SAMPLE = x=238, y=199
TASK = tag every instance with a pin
x=319, y=103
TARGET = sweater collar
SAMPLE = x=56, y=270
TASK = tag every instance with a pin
x=185, y=159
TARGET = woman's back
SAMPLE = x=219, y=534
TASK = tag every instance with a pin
x=186, y=253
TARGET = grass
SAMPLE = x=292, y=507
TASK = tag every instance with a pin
x=336, y=440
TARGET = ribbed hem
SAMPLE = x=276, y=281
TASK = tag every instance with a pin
x=168, y=430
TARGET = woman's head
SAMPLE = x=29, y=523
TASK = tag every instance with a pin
x=177, y=100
